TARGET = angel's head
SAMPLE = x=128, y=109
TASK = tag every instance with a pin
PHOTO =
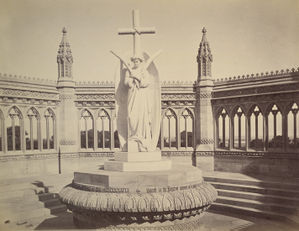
x=136, y=60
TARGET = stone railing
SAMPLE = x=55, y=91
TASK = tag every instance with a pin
x=177, y=83
x=276, y=73
x=111, y=83
x=26, y=79
x=95, y=84
x=257, y=154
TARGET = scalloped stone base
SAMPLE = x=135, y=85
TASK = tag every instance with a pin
x=171, y=221
x=134, y=199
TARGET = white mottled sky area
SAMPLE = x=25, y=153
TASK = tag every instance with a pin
x=245, y=37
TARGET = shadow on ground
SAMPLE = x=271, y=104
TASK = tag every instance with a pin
x=63, y=221
x=246, y=223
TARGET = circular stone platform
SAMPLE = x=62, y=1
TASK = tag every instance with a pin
x=137, y=199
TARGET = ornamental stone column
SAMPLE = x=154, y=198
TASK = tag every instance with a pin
x=112, y=145
x=265, y=132
x=67, y=123
x=247, y=129
x=284, y=131
x=204, y=128
x=231, y=133
x=295, y=111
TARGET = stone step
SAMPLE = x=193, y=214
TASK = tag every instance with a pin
x=252, y=212
x=51, y=202
x=58, y=208
x=260, y=197
x=286, y=185
x=47, y=196
x=256, y=189
x=279, y=208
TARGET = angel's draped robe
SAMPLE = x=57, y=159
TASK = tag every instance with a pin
x=139, y=109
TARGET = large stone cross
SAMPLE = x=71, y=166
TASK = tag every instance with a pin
x=136, y=31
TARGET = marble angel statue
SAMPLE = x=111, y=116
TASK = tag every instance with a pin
x=138, y=99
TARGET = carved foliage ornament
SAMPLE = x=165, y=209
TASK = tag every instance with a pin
x=178, y=103
x=95, y=97
x=206, y=141
x=204, y=95
x=177, y=96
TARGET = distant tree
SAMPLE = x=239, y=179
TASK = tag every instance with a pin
x=277, y=142
x=116, y=140
x=292, y=143
x=107, y=139
x=183, y=139
x=90, y=138
x=17, y=138
x=256, y=143
x=83, y=140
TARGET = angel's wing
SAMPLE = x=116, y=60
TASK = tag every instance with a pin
x=123, y=61
x=151, y=59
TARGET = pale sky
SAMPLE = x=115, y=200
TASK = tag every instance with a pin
x=245, y=36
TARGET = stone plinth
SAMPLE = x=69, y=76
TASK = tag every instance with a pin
x=137, y=161
x=138, y=156
x=137, y=166
x=103, y=198
x=140, y=181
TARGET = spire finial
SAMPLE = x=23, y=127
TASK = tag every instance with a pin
x=204, y=57
x=64, y=57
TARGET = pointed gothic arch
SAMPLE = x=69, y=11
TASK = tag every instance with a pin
x=14, y=128
x=48, y=124
x=186, y=128
x=86, y=129
x=169, y=129
x=32, y=129
x=238, y=130
x=274, y=115
x=222, y=128
x=255, y=128
x=103, y=128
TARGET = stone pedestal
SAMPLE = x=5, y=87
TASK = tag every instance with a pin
x=131, y=192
